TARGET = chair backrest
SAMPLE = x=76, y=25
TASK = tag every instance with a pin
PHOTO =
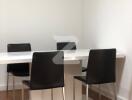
x=20, y=47
x=21, y=67
x=46, y=73
x=66, y=46
x=101, y=66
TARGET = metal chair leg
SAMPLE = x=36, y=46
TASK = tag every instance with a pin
x=13, y=87
x=22, y=91
x=87, y=92
x=7, y=83
x=99, y=92
x=73, y=89
x=63, y=91
x=115, y=91
x=29, y=94
x=51, y=94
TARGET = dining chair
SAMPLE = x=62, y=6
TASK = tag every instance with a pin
x=66, y=46
x=20, y=69
x=100, y=69
x=47, y=72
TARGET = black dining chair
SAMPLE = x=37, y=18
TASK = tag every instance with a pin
x=66, y=46
x=20, y=69
x=100, y=69
x=47, y=72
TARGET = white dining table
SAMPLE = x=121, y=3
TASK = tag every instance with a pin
x=71, y=69
x=23, y=57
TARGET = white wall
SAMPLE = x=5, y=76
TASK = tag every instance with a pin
x=108, y=24
x=37, y=22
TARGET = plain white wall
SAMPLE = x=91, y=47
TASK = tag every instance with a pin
x=108, y=24
x=37, y=22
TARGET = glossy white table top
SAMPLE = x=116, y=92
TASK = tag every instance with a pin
x=22, y=57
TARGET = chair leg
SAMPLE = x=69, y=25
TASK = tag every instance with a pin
x=22, y=91
x=51, y=94
x=63, y=91
x=87, y=92
x=7, y=83
x=99, y=92
x=73, y=89
x=29, y=94
x=115, y=91
x=13, y=87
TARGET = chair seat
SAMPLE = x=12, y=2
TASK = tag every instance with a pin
x=84, y=69
x=34, y=86
x=20, y=74
x=81, y=78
